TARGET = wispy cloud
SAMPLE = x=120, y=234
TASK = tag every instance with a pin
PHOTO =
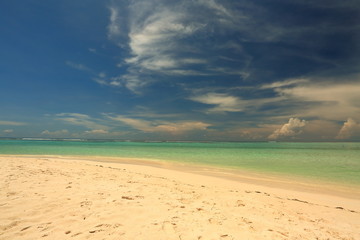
x=222, y=102
x=220, y=10
x=12, y=123
x=113, y=27
x=227, y=102
x=158, y=126
x=287, y=83
x=167, y=38
x=205, y=38
x=101, y=77
x=109, y=124
x=78, y=66
x=82, y=120
x=97, y=131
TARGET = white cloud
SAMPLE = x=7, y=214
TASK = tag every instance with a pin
x=162, y=35
x=133, y=82
x=286, y=83
x=12, y=123
x=329, y=101
x=218, y=7
x=223, y=102
x=97, y=131
x=114, y=28
x=161, y=126
x=115, y=83
x=167, y=38
x=325, y=92
x=181, y=127
x=160, y=63
x=77, y=66
x=102, y=79
x=135, y=123
x=155, y=38
x=316, y=97
x=292, y=128
x=349, y=129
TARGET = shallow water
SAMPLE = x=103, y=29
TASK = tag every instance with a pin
x=336, y=162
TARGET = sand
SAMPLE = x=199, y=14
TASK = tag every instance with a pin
x=54, y=197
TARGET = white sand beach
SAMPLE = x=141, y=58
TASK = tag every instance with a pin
x=55, y=197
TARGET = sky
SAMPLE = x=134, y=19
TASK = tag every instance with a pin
x=190, y=70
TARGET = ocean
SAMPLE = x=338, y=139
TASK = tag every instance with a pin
x=337, y=162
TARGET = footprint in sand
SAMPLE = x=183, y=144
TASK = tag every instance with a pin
x=246, y=221
x=239, y=203
x=44, y=226
x=25, y=228
x=10, y=194
x=103, y=227
x=85, y=204
x=215, y=221
x=226, y=236
x=9, y=226
x=76, y=234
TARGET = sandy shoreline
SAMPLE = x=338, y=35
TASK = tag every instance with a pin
x=46, y=197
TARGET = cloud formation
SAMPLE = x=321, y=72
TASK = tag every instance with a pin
x=292, y=128
x=81, y=120
x=97, y=131
x=219, y=68
x=170, y=39
x=114, y=28
x=222, y=102
x=350, y=128
x=331, y=101
x=12, y=123
x=220, y=38
x=158, y=126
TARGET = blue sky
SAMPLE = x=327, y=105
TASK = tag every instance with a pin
x=180, y=70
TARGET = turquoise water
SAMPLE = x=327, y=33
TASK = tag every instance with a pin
x=338, y=162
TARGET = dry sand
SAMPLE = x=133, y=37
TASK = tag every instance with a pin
x=64, y=198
